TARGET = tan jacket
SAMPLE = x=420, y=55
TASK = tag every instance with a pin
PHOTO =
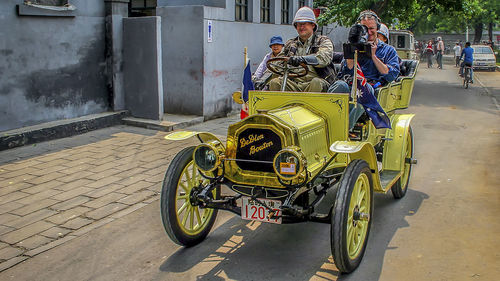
x=320, y=45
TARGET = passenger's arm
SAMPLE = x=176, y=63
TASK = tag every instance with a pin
x=262, y=67
x=391, y=62
x=325, y=53
x=381, y=67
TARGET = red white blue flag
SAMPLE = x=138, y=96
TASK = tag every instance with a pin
x=369, y=102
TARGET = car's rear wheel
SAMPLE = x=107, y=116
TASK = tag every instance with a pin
x=185, y=224
x=351, y=216
x=401, y=186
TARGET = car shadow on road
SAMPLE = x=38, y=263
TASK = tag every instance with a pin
x=245, y=250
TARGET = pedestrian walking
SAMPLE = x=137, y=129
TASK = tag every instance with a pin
x=458, y=51
x=429, y=52
x=439, y=52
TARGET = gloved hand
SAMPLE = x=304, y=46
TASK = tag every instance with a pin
x=296, y=60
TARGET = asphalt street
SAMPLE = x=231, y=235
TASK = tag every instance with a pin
x=446, y=228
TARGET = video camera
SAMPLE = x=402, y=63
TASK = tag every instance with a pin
x=358, y=40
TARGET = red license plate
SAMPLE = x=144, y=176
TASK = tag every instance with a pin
x=251, y=210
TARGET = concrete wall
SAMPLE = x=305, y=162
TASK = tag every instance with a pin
x=142, y=67
x=182, y=40
x=200, y=76
x=224, y=58
x=51, y=67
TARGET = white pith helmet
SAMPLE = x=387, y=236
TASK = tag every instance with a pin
x=305, y=14
x=384, y=31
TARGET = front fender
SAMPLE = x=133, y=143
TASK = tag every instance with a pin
x=395, y=143
x=183, y=135
x=360, y=150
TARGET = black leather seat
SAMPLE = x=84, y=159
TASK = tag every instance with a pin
x=407, y=69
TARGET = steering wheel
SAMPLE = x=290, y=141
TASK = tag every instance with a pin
x=276, y=66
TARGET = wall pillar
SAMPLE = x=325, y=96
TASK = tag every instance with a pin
x=116, y=10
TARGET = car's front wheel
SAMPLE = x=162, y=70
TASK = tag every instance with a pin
x=351, y=216
x=185, y=223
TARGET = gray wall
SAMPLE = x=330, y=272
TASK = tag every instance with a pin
x=224, y=59
x=142, y=71
x=51, y=67
x=182, y=35
x=199, y=77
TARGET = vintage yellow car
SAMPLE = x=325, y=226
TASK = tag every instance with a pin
x=283, y=159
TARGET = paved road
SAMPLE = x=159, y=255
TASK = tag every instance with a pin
x=446, y=228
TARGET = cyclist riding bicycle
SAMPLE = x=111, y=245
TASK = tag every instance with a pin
x=468, y=59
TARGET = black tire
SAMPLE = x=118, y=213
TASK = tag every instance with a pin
x=401, y=186
x=177, y=230
x=343, y=223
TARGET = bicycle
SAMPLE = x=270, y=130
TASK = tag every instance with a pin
x=467, y=76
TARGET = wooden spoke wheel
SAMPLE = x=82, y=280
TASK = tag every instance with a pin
x=185, y=223
x=401, y=186
x=351, y=216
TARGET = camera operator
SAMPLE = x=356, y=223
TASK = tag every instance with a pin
x=380, y=66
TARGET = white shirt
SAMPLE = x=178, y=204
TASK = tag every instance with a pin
x=457, y=50
x=262, y=66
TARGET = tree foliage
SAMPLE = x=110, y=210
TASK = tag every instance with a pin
x=420, y=16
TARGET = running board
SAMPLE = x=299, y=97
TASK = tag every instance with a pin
x=388, y=178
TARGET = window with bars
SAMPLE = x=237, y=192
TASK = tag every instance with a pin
x=265, y=11
x=302, y=3
x=285, y=11
x=241, y=10
x=140, y=8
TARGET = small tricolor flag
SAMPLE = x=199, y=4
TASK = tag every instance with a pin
x=247, y=86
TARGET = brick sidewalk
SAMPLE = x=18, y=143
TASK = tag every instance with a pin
x=56, y=191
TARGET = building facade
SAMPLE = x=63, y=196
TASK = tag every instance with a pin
x=62, y=59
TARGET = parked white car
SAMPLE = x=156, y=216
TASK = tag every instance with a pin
x=484, y=58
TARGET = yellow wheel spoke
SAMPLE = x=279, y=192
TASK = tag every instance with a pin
x=186, y=174
x=186, y=215
x=182, y=208
x=362, y=208
x=198, y=218
x=194, y=176
x=185, y=197
x=183, y=185
x=350, y=231
x=191, y=218
x=361, y=196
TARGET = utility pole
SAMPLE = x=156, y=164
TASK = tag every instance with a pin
x=466, y=33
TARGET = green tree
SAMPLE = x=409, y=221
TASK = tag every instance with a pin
x=419, y=16
x=398, y=13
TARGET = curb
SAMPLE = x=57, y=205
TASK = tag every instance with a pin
x=170, y=123
x=75, y=126
x=59, y=129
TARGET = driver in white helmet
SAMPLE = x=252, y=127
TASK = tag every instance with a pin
x=314, y=50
